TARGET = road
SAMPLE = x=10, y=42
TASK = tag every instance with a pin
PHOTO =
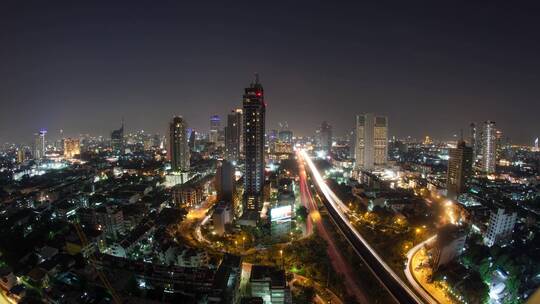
x=190, y=227
x=338, y=261
x=410, y=273
x=338, y=212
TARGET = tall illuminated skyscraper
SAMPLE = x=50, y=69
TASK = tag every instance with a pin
x=371, y=147
x=215, y=125
x=233, y=135
x=178, y=145
x=39, y=144
x=489, y=148
x=474, y=141
x=459, y=169
x=253, y=133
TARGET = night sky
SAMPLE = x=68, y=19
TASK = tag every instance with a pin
x=83, y=65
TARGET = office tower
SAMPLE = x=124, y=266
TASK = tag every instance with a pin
x=325, y=136
x=117, y=140
x=178, y=145
x=536, y=148
x=233, y=134
x=474, y=141
x=253, y=132
x=489, y=148
x=225, y=182
x=459, y=169
x=285, y=136
x=371, y=141
x=39, y=144
x=191, y=139
x=21, y=155
x=215, y=125
x=500, y=227
x=72, y=147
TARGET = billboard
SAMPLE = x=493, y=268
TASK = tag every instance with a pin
x=281, y=213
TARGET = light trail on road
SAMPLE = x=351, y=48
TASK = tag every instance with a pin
x=336, y=258
x=410, y=277
x=337, y=209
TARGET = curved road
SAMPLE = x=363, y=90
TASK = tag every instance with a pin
x=410, y=276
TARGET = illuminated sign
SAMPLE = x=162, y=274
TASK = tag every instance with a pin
x=281, y=213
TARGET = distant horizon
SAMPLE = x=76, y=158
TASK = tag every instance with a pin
x=431, y=68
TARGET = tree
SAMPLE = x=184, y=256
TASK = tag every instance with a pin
x=302, y=213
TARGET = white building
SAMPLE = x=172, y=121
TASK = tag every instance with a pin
x=500, y=227
x=371, y=147
x=489, y=148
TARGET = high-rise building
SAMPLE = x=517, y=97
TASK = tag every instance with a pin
x=225, y=182
x=326, y=137
x=459, y=169
x=21, y=155
x=489, y=148
x=117, y=140
x=500, y=227
x=178, y=145
x=474, y=141
x=39, y=144
x=233, y=135
x=215, y=125
x=191, y=139
x=253, y=133
x=72, y=147
x=371, y=141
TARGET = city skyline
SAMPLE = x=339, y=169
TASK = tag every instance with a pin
x=443, y=66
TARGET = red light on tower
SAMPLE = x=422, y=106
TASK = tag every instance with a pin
x=259, y=94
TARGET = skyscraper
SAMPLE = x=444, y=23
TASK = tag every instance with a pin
x=459, y=169
x=489, y=148
x=233, y=134
x=326, y=137
x=178, y=145
x=225, y=182
x=39, y=144
x=117, y=140
x=253, y=132
x=215, y=125
x=371, y=141
x=474, y=141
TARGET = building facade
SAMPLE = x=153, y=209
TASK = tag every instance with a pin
x=233, y=136
x=254, y=110
x=489, y=148
x=117, y=140
x=178, y=145
x=500, y=227
x=459, y=169
x=326, y=137
x=72, y=147
x=371, y=141
x=215, y=125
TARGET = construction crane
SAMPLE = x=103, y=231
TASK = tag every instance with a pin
x=101, y=275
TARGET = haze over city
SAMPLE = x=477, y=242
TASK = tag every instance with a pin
x=82, y=67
